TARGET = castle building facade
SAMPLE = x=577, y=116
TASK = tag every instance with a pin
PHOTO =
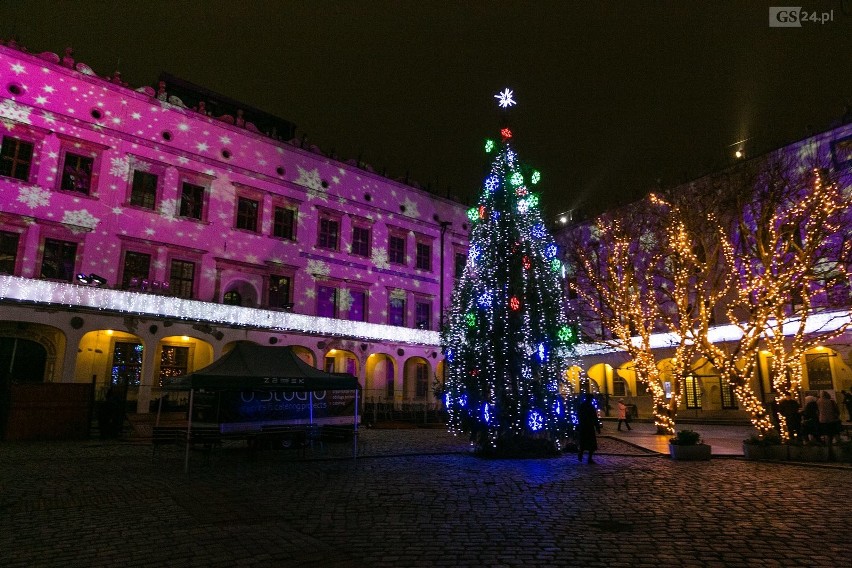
x=142, y=234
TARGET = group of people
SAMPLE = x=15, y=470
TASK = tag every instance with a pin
x=817, y=421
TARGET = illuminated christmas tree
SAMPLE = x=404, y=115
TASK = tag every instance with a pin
x=508, y=342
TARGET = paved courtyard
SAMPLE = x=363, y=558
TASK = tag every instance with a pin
x=414, y=498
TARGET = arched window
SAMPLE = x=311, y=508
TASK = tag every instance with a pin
x=232, y=298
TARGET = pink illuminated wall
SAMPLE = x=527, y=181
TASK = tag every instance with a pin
x=62, y=107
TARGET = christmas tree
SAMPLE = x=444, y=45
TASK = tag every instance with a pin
x=508, y=342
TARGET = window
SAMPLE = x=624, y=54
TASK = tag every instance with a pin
x=58, y=260
x=461, y=262
x=424, y=256
x=137, y=268
x=423, y=315
x=16, y=156
x=284, y=223
x=279, y=292
x=396, y=249
x=232, y=298
x=619, y=386
x=182, y=278
x=328, y=232
x=191, y=200
x=819, y=370
x=8, y=252
x=358, y=307
x=174, y=362
x=327, y=302
x=126, y=363
x=77, y=173
x=396, y=309
x=361, y=241
x=388, y=379
x=421, y=379
x=692, y=392
x=247, y=210
x=144, y=190
x=727, y=392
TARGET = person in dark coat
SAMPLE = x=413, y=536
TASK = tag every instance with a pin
x=810, y=420
x=587, y=426
x=789, y=410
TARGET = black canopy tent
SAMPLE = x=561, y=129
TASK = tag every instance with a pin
x=252, y=367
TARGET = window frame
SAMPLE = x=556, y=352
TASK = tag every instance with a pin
x=59, y=240
x=288, y=301
x=238, y=215
x=366, y=244
x=175, y=290
x=326, y=217
x=392, y=310
x=401, y=236
x=294, y=221
x=365, y=298
x=125, y=278
x=194, y=182
x=16, y=256
x=335, y=300
x=188, y=349
x=418, y=303
x=31, y=163
x=423, y=261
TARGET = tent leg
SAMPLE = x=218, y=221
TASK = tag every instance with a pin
x=355, y=429
x=188, y=432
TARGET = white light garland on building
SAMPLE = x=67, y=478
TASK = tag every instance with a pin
x=75, y=296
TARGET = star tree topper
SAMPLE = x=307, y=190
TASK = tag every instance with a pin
x=506, y=99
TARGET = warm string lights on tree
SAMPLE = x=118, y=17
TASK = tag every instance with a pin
x=508, y=343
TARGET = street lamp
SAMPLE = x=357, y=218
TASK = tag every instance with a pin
x=444, y=226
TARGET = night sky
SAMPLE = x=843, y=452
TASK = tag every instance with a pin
x=614, y=98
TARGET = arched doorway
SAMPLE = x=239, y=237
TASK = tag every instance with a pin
x=305, y=355
x=22, y=360
x=416, y=380
x=379, y=387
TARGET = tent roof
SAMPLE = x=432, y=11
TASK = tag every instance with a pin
x=251, y=366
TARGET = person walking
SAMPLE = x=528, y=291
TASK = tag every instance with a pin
x=587, y=426
x=623, y=415
x=829, y=418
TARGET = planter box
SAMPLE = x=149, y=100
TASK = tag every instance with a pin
x=754, y=452
x=777, y=452
x=689, y=453
x=809, y=453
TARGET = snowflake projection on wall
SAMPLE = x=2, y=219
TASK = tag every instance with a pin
x=33, y=196
x=11, y=110
x=410, y=208
x=119, y=167
x=81, y=218
x=168, y=209
x=318, y=269
x=397, y=297
x=380, y=258
x=312, y=181
x=344, y=299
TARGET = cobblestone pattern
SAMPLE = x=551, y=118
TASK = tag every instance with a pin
x=113, y=504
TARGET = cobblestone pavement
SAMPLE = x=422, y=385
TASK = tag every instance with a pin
x=414, y=498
